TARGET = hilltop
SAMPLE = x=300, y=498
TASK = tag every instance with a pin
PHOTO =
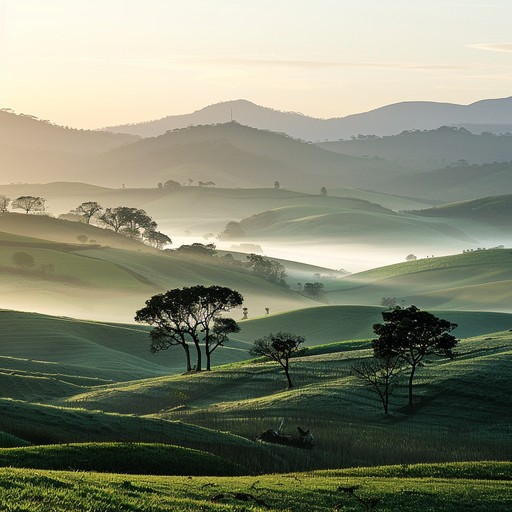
x=30, y=133
x=494, y=114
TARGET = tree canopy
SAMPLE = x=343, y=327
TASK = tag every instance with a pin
x=279, y=347
x=191, y=315
x=411, y=334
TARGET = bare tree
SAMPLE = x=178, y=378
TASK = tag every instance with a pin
x=29, y=204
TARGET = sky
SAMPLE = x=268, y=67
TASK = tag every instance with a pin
x=94, y=63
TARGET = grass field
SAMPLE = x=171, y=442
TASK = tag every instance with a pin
x=436, y=489
x=478, y=280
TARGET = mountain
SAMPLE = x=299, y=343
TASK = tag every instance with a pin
x=495, y=114
x=28, y=132
x=234, y=155
x=458, y=183
x=430, y=149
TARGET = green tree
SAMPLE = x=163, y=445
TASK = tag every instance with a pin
x=314, y=290
x=411, y=335
x=380, y=375
x=23, y=260
x=280, y=348
x=88, y=210
x=29, y=204
x=268, y=269
x=191, y=315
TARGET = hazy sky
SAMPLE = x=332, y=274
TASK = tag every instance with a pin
x=91, y=63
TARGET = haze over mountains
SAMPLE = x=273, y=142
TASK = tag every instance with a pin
x=493, y=115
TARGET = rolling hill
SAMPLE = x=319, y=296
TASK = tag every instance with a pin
x=30, y=133
x=459, y=183
x=474, y=281
x=431, y=149
x=351, y=221
x=234, y=155
x=387, y=120
x=103, y=283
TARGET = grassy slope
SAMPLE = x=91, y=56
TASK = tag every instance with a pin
x=110, y=283
x=326, y=390
x=350, y=223
x=57, y=425
x=479, y=280
x=138, y=458
x=311, y=492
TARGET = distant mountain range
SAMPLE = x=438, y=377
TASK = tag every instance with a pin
x=493, y=115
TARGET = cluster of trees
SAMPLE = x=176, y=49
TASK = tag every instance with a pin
x=132, y=222
x=30, y=204
x=191, y=317
x=405, y=338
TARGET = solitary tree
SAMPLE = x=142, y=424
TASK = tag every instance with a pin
x=4, y=203
x=314, y=290
x=411, y=334
x=190, y=315
x=411, y=257
x=23, y=260
x=88, y=210
x=380, y=375
x=323, y=191
x=279, y=347
x=29, y=204
x=277, y=184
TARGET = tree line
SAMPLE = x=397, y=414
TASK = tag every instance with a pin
x=132, y=222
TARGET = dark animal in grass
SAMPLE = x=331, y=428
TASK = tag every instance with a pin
x=304, y=440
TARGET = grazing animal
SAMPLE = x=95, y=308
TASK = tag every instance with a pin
x=304, y=440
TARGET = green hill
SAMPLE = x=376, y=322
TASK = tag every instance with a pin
x=463, y=410
x=352, y=222
x=110, y=284
x=130, y=458
x=443, y=489
x=478, y=280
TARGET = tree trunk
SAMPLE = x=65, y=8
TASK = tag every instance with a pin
x=290, y=384
x=208, y=360
x=411, y=378
x=187, y=355
x=198, y=360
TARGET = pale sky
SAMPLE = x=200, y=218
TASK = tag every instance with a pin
x=92, y=63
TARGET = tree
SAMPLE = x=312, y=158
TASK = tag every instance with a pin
x=156, y=239
x=411, y=334
x=129, y=221
x=88, y=210
x=197, y=250
x=277, y=184
x=4, y=204
x=380, y=375
x=279, y=347
x=323, y=191
x=314, y=290
x=23, y=260
x=268, y=269
x=232, y=230
x=184, y=315
x=389, y=302
x=29, y=204
x=170, y=184
x=411, y=257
